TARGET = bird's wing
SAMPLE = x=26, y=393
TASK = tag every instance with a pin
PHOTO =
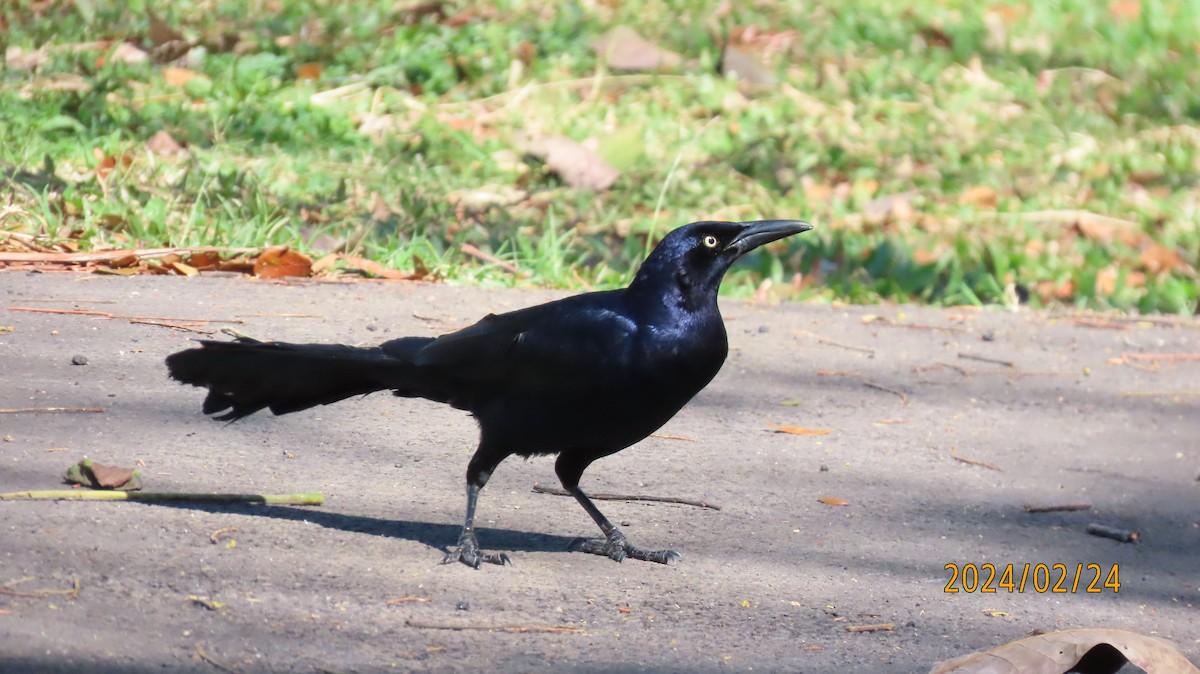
x=557, y=347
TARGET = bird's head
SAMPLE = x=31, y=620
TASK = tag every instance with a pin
x=695, y=257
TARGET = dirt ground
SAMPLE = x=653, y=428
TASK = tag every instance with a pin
x=769, y=582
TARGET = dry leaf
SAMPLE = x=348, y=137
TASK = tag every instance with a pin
x=309, y=71
x=833, y=501
x=164, y=145
x=280, y=262
x=797, y=430
x=160, y=32
x=185, y=269
x=128, y=53
x=110, y=477
x=19, y=59
x=1157, y=258
x=203, y=261
x=745, y=67
x=177, y=77
x=1127, y=10
x=1058, y=652
x=574, y=163
x=623, y=49
x=1106, y=280
x=980, y=196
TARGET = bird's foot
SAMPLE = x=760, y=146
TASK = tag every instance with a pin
x=615, y=547
x=468, y=553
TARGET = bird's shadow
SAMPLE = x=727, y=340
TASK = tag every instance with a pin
x=440, y=536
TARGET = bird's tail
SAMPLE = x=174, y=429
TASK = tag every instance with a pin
x=247, y=375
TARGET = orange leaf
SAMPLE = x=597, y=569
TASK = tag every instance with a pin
x=797, y=430
x=980, y=196
x=1128, y=10
x=177, y=77
x=833, y=501
x=280, y=262
x=1157, y=258
x=309, y=71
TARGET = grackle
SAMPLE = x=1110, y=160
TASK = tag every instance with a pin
x=582, y=377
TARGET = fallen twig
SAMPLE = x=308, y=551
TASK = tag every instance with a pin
x=1122, y=535
x=985, y=359
x=110, y=255
x=49, y=410
x=880, y=387
x=1065, y=507
x=629, y=497
x=840, y=345
x=106, y=314
x=1159, y=394
x=474, y=252
x=974, y=462
x=670, y=436
x=1100, y=323
x=215, y=537
x=516, y=629
x=39, y=594
x=173, y=326
x=1167, y=357
x=878, y=627
x=314, y=499
x=407, y=600
x=203, y=655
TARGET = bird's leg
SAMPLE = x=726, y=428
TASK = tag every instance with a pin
x=613, y=545
x=467, y=551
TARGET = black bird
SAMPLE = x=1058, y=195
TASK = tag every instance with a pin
x=582, y=377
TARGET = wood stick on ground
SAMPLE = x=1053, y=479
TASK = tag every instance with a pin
x=474, y=252
x=880, y=387
x=985, y=359
x=203, y=655
x=670, y=436
x=840, y=345
x=1159, y=394
x=110, y=255
x=407, y=600
x=1164, y=357
x=106, y=314
x=313, y=499
x=1065, y=507
x=173, y=326
x=1123, y=535
x=974, y=462
x=49, y=410
x=878, y=627
x=39, y=594
x=515, y=629
x=629, y=497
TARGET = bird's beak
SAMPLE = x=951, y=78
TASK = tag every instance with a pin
x=760, y=232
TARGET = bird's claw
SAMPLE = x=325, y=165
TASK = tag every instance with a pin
x=616, y=548
x=468, y=553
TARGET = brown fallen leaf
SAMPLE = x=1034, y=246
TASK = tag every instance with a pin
x=833, y=501
x=574, y=163
x=281, y=262
x=1107, y=650
x=797, y=430
x=622, y=48
x=309, y=71
x=980, y=196
x=1157, y=258
x=177, y=77
x=164, y=145
x=746, y=68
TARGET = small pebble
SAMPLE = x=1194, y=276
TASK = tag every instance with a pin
x=988, y=336
x=462, y=606
x=764, y=329
x=78, y=360
x=823, y=468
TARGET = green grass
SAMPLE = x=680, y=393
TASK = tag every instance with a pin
x=986, y=125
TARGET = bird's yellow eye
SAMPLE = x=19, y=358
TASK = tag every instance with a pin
x=710, y=241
